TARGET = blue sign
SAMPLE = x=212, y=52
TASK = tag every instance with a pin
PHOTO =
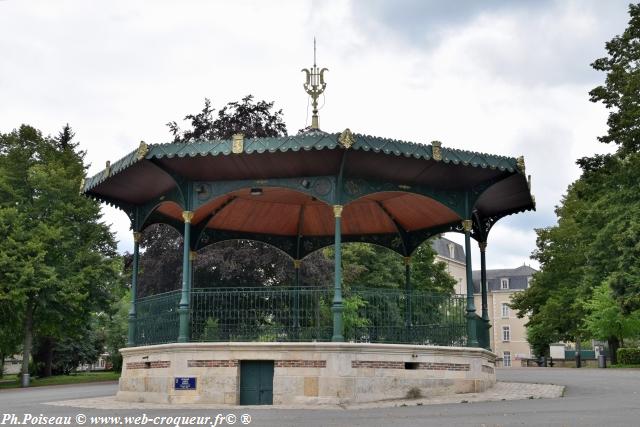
x=185, y=383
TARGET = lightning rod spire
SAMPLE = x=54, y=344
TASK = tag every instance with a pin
x=314, y=86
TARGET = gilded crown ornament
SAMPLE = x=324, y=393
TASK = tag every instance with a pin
x=314, y=86
x=347, y=138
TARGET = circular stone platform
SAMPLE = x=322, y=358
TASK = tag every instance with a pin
x=302, y=373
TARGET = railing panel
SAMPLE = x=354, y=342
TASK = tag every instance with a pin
x=261, y=314
x=157, y=319
x=378, y=315
x=304, y=314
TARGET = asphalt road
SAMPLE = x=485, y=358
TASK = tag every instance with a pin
x=594, y=397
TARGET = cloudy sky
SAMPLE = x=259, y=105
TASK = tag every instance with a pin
x=504, y=77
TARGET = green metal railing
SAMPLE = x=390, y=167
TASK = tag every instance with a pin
x=304, y=314
x=157, y=319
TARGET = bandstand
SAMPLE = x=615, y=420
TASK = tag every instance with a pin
x=299, y=194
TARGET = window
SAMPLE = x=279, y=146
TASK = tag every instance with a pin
x=506, y=333
x=506, y=359
x=504, y=283
x=529, y=281
x=452, y=251
x=505, y=310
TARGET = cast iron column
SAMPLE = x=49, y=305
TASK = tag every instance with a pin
x=131, y=340
x=296, y=298
x=337, y=307
x=407, y=297
x=471, y=308
x=484, y=290
x=183, y=309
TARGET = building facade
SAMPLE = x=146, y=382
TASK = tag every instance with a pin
x=452, y=255
x=508, y=332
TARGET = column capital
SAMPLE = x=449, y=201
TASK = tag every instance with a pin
x=407, y=260
x=467, y=225
x=187, y=216
x=337, y=211
x=137, y=236
x=296, y=263
x=483, y=246
x=193, y=255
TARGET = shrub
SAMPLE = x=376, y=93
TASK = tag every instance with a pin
x=629, y=356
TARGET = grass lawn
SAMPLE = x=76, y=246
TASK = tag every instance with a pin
x=624, y=366
x=12, y=381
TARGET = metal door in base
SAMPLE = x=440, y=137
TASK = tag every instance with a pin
x=256, y=382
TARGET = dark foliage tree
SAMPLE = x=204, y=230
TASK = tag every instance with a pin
x=253, y=119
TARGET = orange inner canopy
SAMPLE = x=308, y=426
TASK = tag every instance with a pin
x=280, y=211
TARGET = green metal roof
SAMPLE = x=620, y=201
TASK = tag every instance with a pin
x=312, y=140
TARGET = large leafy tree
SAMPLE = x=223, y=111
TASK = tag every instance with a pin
x=621, y=91
x=58, y=260
x=595, y=243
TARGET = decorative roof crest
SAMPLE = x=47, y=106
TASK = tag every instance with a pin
x=436, y=148
x=347, y=138
x=142, y=151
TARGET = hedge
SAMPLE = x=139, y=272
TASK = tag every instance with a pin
x=629, y=356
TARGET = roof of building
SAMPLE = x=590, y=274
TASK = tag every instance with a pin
x=518, y=278
x=441, y=246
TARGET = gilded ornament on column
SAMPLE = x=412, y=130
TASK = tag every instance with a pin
x=407, y=260
x=296, y=263
x=347, y=138
x=467, y=225
x=137, y=236
x=187, y=216
x=238, y=143
x=436, y=148
x=483, y=246
x=337, y=211
x=192, y=255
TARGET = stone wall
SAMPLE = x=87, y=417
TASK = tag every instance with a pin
x=304, y=373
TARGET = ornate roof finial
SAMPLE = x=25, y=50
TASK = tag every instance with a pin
x=314, y=86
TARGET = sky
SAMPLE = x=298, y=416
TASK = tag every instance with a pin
x=501, y=77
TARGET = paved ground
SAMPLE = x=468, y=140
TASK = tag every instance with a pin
x=501, y=391
x=593, y=397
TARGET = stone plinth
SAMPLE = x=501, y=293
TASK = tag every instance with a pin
x=304, y=373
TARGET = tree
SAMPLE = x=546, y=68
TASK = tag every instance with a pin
x=621, y=91
x=552, y=302
x=58, y=261
x=253, y=119
x=243, y=262
x=606, y=321
x=594, y=246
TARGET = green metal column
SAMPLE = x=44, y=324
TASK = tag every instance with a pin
x=185, y=300
x=484, y=290
x=337, y=307
x=131, y=339
x=296, y=298
x=467, y=224
x=407, y=300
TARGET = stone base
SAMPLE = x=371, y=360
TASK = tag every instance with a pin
x=304, y=373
